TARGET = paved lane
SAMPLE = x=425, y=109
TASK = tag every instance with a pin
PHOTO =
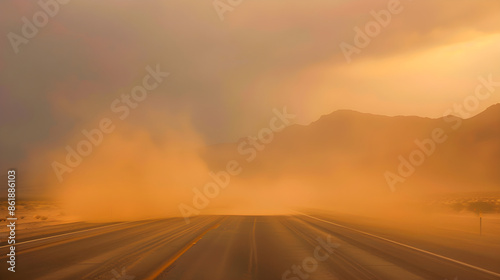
x=233, y=247
x=139, y=247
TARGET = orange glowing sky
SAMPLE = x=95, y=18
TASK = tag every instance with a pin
x=228, y=75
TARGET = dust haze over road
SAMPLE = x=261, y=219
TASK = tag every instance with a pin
x=226, y=139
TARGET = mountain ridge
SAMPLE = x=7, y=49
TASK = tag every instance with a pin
x=352, y=150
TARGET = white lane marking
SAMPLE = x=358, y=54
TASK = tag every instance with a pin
x=64, y=234
x=407, y=246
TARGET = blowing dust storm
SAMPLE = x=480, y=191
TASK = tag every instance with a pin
x=134, y=174
x=167, y=171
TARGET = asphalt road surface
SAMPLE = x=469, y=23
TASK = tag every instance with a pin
x=237, y=248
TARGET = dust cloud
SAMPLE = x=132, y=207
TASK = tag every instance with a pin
x=133, y=175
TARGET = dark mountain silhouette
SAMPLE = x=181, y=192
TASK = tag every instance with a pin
x=347, y=151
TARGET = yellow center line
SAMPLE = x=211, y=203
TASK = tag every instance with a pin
x=254, y=243
x=167, y=264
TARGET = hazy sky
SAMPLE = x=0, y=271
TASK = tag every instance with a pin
x=227, y=75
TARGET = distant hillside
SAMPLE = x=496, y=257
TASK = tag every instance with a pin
x=351, y=151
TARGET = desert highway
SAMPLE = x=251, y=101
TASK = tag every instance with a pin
x=292, y=247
